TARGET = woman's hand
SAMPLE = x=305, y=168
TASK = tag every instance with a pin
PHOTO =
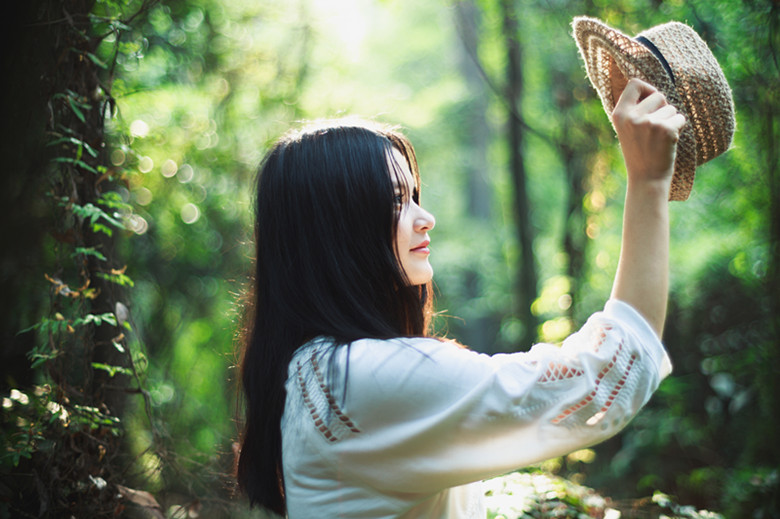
x=648, y=129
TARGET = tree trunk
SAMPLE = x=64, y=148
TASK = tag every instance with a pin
x=769, y=367
x=574, y=238
x=480, y=331
x=526, y=274
x=61, y=263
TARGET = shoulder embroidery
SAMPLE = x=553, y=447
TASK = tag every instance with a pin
x=328, y=417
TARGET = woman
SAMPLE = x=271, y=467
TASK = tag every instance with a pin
x=351, y=409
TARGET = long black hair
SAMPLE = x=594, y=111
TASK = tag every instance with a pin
x=326, y=265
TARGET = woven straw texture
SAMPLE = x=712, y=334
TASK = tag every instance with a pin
x=698, y=88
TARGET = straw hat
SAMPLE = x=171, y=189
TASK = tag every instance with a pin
x=675, y=60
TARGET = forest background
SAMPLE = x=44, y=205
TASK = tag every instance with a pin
x=131, y=134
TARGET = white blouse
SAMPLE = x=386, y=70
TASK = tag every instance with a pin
x=422, y=421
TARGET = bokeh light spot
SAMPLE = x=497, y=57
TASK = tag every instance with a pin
x=186, y=173
x=145, y=164
x=143, y=196
x=137, y=224
x=139, y=128
x=169, y=168
x=190, y=213
x=117, y=157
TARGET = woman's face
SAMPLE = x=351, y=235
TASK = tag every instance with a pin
x=414, y=222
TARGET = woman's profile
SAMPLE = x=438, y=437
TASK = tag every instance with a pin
x=352, y=409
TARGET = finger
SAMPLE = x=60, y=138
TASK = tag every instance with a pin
x=652, y=103
x=674, y=126
x=677, y=121
x=639, y=90
x=665, y=112
x=629, y=95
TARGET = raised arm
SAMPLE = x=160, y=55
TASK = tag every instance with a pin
x=648, y=129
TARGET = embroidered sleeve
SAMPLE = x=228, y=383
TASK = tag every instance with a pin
x=421, y=415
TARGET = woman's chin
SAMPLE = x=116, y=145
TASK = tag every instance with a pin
x=420, y=276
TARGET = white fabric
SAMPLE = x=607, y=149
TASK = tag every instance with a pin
x=422, y=420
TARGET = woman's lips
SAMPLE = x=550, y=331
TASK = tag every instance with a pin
x=423, y=247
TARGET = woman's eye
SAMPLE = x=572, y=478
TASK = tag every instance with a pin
x=398, y=199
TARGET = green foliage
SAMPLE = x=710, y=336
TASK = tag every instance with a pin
x=21, y=441
x=533, y=494
x=667, y=504
x=94, y=213
x=81, y=146
x=75, y=103
x=52, y=329
x=526, y=495
x=40, y=428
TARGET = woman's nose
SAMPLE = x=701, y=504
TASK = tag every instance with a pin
x=424, y=221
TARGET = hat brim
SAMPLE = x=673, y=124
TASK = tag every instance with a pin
x=611, y=59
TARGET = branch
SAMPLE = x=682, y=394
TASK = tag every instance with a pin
x=509, y=103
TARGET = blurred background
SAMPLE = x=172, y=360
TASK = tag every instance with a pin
x=519, y=164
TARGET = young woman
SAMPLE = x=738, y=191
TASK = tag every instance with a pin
x=352, y=409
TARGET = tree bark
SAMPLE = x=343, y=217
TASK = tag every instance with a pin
x=526, y=274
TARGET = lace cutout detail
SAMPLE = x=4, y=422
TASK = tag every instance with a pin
x=596, y=418
x=557, y=372
x=328, y=418
x=599, y=337
x=593, y=420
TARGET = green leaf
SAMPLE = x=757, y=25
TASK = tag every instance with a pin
x=76, y=162
x=29, y=329
x=112, y=370
x=96, y=319
x=74, y=103
x=72, y=140
x=113, y=200
x=47, y=325
x=76, y=110
x=94, y=418
x=99, y=227
x=114, y=24
x=119, y=279
x=89, y=251
x=94, y=59
x=94, y=213
x=39, y=359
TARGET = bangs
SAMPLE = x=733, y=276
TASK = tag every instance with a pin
x=396, y=171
